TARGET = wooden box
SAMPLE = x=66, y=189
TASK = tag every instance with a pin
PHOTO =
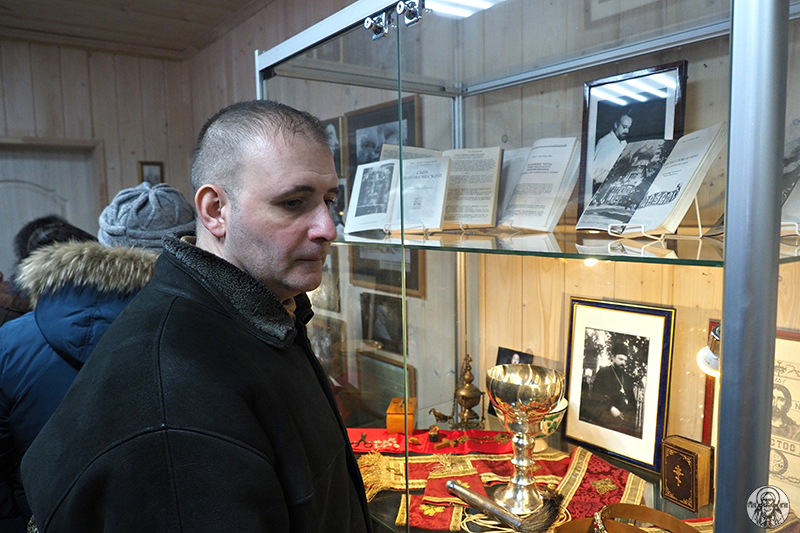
x=395, y=415
x=687, y=472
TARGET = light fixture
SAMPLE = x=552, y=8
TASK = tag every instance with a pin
x=709, y=356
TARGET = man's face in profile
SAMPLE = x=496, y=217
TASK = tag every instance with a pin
x=619, y=360
x=622, y=127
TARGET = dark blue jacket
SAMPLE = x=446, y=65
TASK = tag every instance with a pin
x=78, y=289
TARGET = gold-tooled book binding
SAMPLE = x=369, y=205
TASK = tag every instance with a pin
x=687, y=472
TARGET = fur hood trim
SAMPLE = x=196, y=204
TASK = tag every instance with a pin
x=85, y=264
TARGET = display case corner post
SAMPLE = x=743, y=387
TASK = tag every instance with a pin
x=758, y=89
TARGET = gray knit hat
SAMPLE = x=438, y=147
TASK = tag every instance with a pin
x=141, y=215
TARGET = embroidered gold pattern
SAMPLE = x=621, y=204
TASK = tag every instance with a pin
x=431, y=510
x=604, y=485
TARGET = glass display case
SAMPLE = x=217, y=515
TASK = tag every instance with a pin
x=415, y=312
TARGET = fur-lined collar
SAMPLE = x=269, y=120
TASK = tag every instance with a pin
x=84, y=264
x=234, y=287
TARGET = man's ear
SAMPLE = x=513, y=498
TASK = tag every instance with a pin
x=212, y=205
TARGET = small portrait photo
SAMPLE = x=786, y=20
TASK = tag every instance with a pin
x=151, y=172
x=507, y=356
x=369, y=141
x=614, y=381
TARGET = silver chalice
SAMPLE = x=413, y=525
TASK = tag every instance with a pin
x=525, y=394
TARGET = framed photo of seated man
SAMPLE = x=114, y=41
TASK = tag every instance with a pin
x=618, y=378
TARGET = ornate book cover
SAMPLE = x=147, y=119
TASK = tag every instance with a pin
x=687, y=472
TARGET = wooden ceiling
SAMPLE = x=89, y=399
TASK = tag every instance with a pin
x=171, y=29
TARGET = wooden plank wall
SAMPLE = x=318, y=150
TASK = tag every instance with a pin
x=137, y=107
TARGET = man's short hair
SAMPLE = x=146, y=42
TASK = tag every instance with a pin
x=226, y=138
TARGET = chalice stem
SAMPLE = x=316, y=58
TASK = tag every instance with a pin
x=521, y=496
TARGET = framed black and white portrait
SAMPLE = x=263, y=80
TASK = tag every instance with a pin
x=635, y=106
x=369, y=128
x=382, y=321
x=618, y=378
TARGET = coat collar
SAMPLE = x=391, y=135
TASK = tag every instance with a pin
x=235, y=288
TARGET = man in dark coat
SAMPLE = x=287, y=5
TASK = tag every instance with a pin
x=203, y=407
x=613, y=389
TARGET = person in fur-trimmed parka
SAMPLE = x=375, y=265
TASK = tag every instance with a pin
x=77, y=289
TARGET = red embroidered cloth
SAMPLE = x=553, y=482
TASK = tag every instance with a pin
x=380, y=440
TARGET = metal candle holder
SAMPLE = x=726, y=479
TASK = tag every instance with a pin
x=525, y=394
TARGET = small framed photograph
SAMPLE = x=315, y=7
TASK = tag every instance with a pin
x=641, y=105
x=380, y=268
x=369, y=128
x=618, y=378
x=507, y=356
x=327, y=295
x=151, y=171
x=328, y=336
x=382, y=321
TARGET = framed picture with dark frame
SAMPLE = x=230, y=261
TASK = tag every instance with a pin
x=382, y=321
x=645, y=104
x=151, y=171
x=618, y=378
x=380, y=268
x=327, y=295
x=328, y=337
x=381, y=378
x=369, y=128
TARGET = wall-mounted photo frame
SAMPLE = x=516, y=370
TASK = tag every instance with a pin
x=618, y=378
x=640, y=105
x=336, y=133
x=369, y=128
x=382, y=321
x=381, y=378
x=380, y=268
x=151, y=171
x=328, y=295
x=328, y=337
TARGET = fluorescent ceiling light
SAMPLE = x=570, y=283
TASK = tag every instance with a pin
x=601, y=95
x=648, y=88
x=620, y=88
x=446, y=9
x=666, y=79
x=459, y=8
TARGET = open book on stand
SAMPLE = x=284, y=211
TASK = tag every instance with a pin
x=653, y=183
x=454, y=190
x=537, y=183
x=790, y=195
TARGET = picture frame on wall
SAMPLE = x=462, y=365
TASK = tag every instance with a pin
x=369, y=128
x=618, y=378
x=381, y=378
x=336, y=133
x=641, y=105
x=328, y=338
x=151, y=172
x=382, y=321
x=380, y=268
x=328, y=295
